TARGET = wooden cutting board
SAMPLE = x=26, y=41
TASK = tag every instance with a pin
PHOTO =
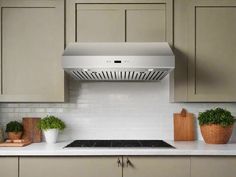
x=31, y=130
x=15, y=143
x=184, y=129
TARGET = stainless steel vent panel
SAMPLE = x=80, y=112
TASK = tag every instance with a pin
x=119, y=75
x=118, y=61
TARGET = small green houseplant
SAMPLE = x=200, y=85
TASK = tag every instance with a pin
x=216, y=125
x=14, y=130
x=50, y=125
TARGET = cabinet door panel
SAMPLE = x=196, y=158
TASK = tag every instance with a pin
x=99, y=23
x=157, y=167
x=212, y=42
x=32, y=44
x=213, y=166
x=119, y=22
x=215, y=50
x=9, y=166
x=69, y=167
x=146, y=25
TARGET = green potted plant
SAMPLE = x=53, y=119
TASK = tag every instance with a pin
x=50, y=125
x=14, y=130
x=216, y=125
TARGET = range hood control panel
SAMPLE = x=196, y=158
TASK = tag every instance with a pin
x=118, y=61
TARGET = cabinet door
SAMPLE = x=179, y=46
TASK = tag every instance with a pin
x=32, y=41
x=9, y=166
x=94, y=23
x=99, y=23
x=212, y=54
x=213, y=166
x=69, y=167
x=119, y=22
x=146, y=23
x=157, y=167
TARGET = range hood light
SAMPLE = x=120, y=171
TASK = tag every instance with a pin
x=150, y=69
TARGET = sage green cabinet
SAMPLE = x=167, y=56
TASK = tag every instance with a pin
x=156, y=166
x=105, y=166
x=145, y=23
x=213, y=166
x=129, y=166
x=9, y=166
x=32, y=41
x=70, y=167
x=205, y=35
x=100, y=23
x=119, y=22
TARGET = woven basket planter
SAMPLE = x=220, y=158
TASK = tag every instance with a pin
x=14, y=135
x=216, y=134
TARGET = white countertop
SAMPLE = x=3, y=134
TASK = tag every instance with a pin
x=182, y=148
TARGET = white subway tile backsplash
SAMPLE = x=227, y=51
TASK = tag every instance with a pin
x=6, y=109
x=39, y=110
x=23, y=109
x=112, y=110
x=9, y=115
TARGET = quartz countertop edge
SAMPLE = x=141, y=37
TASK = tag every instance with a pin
x=182, y=148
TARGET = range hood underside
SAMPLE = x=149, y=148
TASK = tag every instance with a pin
x=104, y=74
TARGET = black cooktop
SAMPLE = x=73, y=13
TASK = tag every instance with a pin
x=120, y=143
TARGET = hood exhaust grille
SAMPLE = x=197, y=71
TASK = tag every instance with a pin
x=156, y=75
x=118, y=61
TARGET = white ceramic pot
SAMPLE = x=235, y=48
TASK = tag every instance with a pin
x=51, y=135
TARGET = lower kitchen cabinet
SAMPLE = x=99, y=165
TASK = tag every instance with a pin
x=213, y=166
x=156, y=166
x=108, y=166
x=9, y=166
x=70, y=167
x=105, y=166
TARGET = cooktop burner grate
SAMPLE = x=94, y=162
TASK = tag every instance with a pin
x=120, y=143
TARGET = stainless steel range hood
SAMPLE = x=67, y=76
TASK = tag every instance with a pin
x=118, y=61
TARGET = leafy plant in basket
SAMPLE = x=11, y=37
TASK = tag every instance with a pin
x=50, y=125
x=216, y=125
x=14, y=130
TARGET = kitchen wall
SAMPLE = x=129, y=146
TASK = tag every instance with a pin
x=112, y=110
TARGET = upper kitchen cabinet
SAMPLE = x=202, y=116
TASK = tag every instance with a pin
x=32, y=41
x=100, y=23
x=146, y=23
x=205, y=34
x=119, y=21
